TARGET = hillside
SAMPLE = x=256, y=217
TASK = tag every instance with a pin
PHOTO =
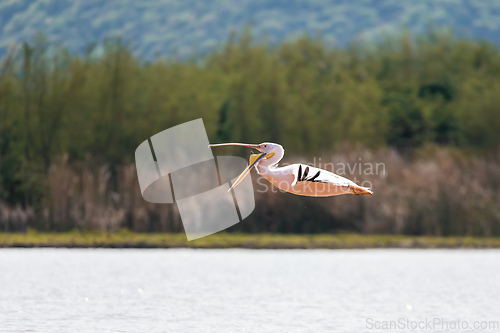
x=185, y=27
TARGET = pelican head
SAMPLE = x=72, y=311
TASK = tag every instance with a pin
x=267, y=151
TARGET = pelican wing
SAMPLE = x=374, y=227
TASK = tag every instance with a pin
x=305, y=173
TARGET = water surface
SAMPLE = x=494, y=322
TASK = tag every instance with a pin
x=237, y=290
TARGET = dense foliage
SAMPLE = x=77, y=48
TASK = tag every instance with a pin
x=402, y=94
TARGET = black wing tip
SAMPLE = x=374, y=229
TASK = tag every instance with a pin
x=314, y=177
x=306, y=172
x=302, y=177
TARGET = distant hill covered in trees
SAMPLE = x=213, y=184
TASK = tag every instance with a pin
x=180, y=28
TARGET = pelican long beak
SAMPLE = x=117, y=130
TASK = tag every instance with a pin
x=236, y=144
x=254, y=159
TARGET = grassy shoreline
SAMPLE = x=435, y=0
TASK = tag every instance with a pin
x=126, y=239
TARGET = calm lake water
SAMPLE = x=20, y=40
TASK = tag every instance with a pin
x=183, y=290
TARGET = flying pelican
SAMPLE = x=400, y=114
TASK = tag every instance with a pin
x=298, y=179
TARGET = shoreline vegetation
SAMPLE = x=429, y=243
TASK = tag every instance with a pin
x=415, y=119
x=127, y=239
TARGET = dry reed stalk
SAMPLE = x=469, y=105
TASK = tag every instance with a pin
x=440, y=193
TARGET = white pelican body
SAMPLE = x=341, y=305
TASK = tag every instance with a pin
x=298, y=179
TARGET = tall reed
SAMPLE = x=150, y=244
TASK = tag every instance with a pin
x=439, y=192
